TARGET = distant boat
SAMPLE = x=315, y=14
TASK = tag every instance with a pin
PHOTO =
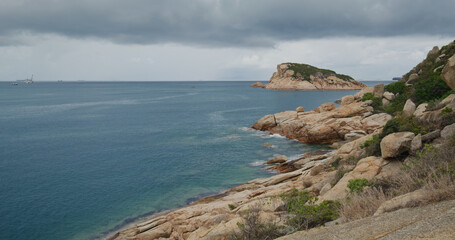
x=14, y=83
x=28, y=80
x=396, y=78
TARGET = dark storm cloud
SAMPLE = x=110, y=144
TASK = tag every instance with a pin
x=244, y=23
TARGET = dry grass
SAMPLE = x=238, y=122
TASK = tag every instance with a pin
x=362, y=205
x=433, y=171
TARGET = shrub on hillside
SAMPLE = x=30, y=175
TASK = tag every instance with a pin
x=357, y=185
x=252, y=228
x=396, y=87
x=304, y=213
x=372, y=146
x=430, y=88
x=377, y=102
x=402, y=123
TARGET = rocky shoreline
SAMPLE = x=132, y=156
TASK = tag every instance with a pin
x=388, y=153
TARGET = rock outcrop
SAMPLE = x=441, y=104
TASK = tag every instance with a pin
x=396, y=143
x=293, y=76
x=448, y=73
x=326, y=123
x=257, y=84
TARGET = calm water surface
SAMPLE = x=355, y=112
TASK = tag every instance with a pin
x=78, y=159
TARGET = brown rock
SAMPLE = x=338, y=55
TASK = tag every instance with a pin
x=257, y=84
x=277, y=159
x=409, y=108
x=396, y=143
x=378, y=90
x=300, y=109
x=265, y=123
x=448, y=73
x=325, y=107
x=347, y=100
x=362, y=92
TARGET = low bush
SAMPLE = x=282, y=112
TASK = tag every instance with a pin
x=357, y=185
x=362, y=205
x=430, y=88
x=396, y=87
x=372, y=146
x=402, y=123
x=396, y=105
x=446, y=111
x=377, y=102
x=252, y=228
x=304, y=213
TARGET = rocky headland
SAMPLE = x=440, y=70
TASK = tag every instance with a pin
x=295, y=76
x=393, y=149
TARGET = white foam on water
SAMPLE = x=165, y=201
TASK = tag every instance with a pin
x=257, y=163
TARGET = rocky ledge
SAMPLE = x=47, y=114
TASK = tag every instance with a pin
x=294, y=76
x=326, y=123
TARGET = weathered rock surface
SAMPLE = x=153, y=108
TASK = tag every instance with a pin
x=347, y=100
x=324, y=124
x=257, y=84
x=277, y=159
x=300, y=109
x=409, y=108
x=366, y=168
x=420, y=110
x=448, y=131
x=389, y=96
x=319, y=79
x=448, y=73
x=395, y=144
x=362, y=92
x=378, y=90
x=435, y=221
x=416, y=144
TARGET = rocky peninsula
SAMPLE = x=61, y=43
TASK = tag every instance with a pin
x=393, y=149
x=295, y=76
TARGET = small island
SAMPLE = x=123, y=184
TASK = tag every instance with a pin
x=296, y=76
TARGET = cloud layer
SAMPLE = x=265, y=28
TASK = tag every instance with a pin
x=226, y=23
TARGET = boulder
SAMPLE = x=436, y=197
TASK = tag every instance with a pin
x=401, y=201
x=300, y=109
x=389, y=96
x=432, y=135
x=412, y=78
x=448, y=131
x=362, y=92
x=409, y=108
x=416, y=144
x=448, y=99
x=325, y=107
x=277, y=159
x=347, y=100
x=396, y=143
x=266, y=122
x=433, y=52
x=378, y=90
x=420, y=110
x=376, y=120
x=448, y=73
x=257, y=84
x=385, y=102
x=366, y=168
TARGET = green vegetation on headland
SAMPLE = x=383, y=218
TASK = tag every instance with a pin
x=304, y=71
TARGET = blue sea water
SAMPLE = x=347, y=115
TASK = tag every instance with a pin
x=78, y=159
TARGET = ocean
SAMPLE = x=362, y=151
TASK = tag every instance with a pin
x=81, y=159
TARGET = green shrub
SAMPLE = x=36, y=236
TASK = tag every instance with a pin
x=336, y=163
x=303, y=211
x=377, y=102
x=357, y=185
x=402, y=123
x=305, y=71
x=231, y=206
x=446, y=111
x=396, y=87
x=429, y=89
x=397, y=104
x=372, y=146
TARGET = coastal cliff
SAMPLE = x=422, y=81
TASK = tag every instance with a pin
x=294, y=76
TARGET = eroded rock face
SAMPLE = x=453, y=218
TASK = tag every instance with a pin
x=448, y=73
x=448, y=131
x=395, y=144
x=286, y=78
x=366, y=168
x=277, y=159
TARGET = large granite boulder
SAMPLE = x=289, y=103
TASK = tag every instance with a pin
x=409, y=108
x=265, y=123
x=448, y=73
x=396, y=143
x=378, y=90
x=448, y=131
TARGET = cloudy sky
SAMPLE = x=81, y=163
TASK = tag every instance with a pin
x=148, y=40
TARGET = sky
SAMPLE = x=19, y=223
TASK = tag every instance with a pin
x=181, y=40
